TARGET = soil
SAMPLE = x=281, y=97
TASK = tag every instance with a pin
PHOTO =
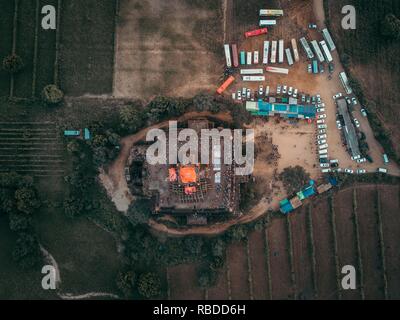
x=237, y=261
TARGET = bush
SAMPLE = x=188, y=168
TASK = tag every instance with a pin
x=390, y=27
x=149, y=285
x=294, y=178
x=126, y=282
x=26, y=252
x=13, y=63
x=51, y=94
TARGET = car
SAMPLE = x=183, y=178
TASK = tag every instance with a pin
x=308, y=100
x=322, y=141
x=339, y=170
x=313, y=100
x=322, y=105
x=350, y=171
x=322, y=136
x=323, y=151
x=322, y=126
x=248, y=94
x=320, y=121
x=323, y=160
x=337, y=95
x=324, y=156
x=354, y=101
x=355, y=158
x=334, y=165
x=261, y=90
x=322, y=131
x=338, y=124
x=309, y=68
x=334, y=161
x=382, y=170
x=331, y=67
x=318, y=98
x=361, y=160
x=320, y=109
x=290, y=92
x=361, y=171
x=295, y=93
x=322, y=116
x=326, y=170
x=348, y=100
x=278, y=89
x=303, y=98
x=244, y=90
x=364, y=112
x=267, y=91
x=312, y=26
x=324, y=165
x=239, y=95
x=323, y=146
x=321, y=68
x=284, y=89
x=356, y=122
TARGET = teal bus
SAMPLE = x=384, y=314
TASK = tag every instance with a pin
x=242, y=57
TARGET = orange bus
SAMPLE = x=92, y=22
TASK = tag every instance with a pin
x=225, y=85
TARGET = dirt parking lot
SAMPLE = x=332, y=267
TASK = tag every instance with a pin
x=166, y=48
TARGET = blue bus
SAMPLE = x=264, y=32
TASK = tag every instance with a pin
x=242, y=57
x=315, y=66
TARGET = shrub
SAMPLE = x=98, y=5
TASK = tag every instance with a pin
x=149, y=285
x=51, y=94
x=13, y=63
x=390, y=27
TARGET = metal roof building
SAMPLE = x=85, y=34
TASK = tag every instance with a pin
x=284, y=110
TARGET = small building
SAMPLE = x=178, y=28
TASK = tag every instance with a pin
x=296, y=202
x=324, y=188
x=286, y=206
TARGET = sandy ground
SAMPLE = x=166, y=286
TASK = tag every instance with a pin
x=159, y=50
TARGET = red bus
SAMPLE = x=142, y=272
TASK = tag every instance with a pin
x=225, y=85
x=235, y=56
x=256, y=32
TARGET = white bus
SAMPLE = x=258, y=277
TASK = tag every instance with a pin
x=273, y=51
x=277, y=70
x=255, y=57
x=289, y=56
x=281, y=51
x=265, y=52
x=228, y=55
x=317, y=51
x=249, y=58
x=295, y=50
x=306, y=48
x=267, y=23
x=251, y=71
x=326, y=51
x=271, y=13
x=328, y=39
x=254, y=78
x=345, y=82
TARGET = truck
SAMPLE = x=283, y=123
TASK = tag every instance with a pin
x=251, y=71
x=225, y=85
x=242, y=57
x=235, y=56
x=254, y=78
x=256, y=57
x=271, y=13
x=256, y=32
x=281, y=51
x=328, y=39
x=315, y=66
x=277, y=70
x=273, y=51
x=289, y=56
x=265, y=52
x=295, y=50
x=228, y=55
x=249, y=54
x=267, y=23
x=326, y=51
x=317, y=51
x=306, y=48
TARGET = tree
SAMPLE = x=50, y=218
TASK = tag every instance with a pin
x=52, y=95
x=206, y=277
x=26, y=200
x=139, y=211
x=26, y=251
x=390, y=27
x=149, y=285
x=13, y=63
x=204, y=102
x=73, y=206
x=19, y=221
x=131, y=118
x=294, y=178
x=126, y=282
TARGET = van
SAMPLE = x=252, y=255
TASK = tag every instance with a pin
x=323, y=146
x=334, y=161
x=326, y=170
x=385, y=159
x=324, y=151
x=325, y=156
x=382, y=170
x=322, y=126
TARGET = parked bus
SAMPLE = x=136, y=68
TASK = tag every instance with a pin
x=295, y=50
x=251, y=71
x=271, y=13
x=326, y=51
x=225, y=85
x=267, y=23
x=265, y=52
x=281, y=51
x=328, y=39
x=385, y=159
x=289, y=56
x=315, y=66
x=228, y=55
x=277, y=70
x=273, y=51
x=255, y=57
x=235, y=56
x=306, y=48
x=345, y=82
x=254, y=33
x=249, y=54
x=242, y=57
x=254, y=78
x=317, y=51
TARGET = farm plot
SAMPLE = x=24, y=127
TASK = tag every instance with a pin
x=32, y=148
x=25, y=43
x=238, y=270
x=258, y=265
x=324, y=252
x=279, y=260
x=87, y=46
x=46, y=54
x=301, y=255
x=220, y=290
x=389, y=200
x=345, y=235
x=369, y=238
x=6, y=40
x=167, y=48
x=183, y=283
